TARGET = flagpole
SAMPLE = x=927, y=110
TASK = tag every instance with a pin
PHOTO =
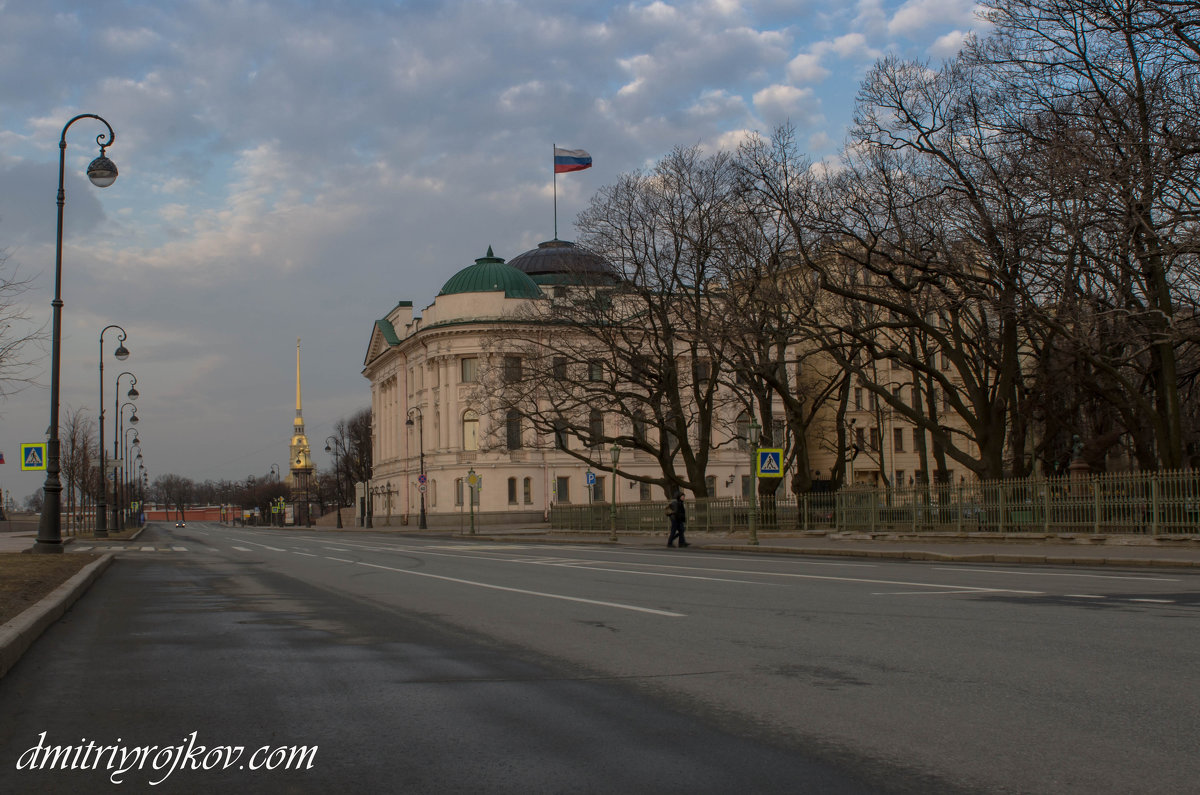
x=554, y=147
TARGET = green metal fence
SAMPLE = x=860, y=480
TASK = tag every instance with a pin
x=1154, y=503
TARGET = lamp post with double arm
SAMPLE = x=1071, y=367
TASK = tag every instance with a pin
x=333, y=445
x=102, y=172
x=420, y=423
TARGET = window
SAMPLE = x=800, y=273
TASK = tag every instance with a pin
x=470, y=429
x=710, y=483
x=512, y=491
x=860, y=437
x=563, y=489
x=945, y=362
x=560, y=291
x=858, y=404
x=898, y=440
x=512, y=427
x=639, y=427
x=644, y=492
x=470, y=369
x=560, y=434
x=560, y=368
x=458, y=491
x=639, y=367
x=598, y=489
x=433, y=493
x=596, y=427
x=746, y=486
x=528, y=495
x=702, y=370
x=874, y=438
x=743, y=431
x=595, y=370
x=899, y=477
x=512, y=369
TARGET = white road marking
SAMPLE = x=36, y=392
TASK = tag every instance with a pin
x=339, y=560
x=148, y=549
x=1084, y=596
x=243, y=549
x=1154, y=601
x=305, y=554
x=337, y=549
x=542, y=594
x=942, y=593
x=1055, y=574
x=180, y=549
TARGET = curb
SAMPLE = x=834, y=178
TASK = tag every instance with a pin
x=19, y=634
x=942, y=557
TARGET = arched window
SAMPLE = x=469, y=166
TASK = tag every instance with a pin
x=512, y=423
x=528, y=491
x=470, y=427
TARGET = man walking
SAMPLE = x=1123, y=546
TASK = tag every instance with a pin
x=678, y=518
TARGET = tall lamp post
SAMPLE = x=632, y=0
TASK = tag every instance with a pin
x=127, y=469
x=616, y=455
x=753, y=438
x=337, y=473
x=118, y=483
x=119, y=420
x=120, y=354
x=102, y=172
x=421, y=447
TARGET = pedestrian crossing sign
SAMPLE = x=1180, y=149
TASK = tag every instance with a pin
x=33, y=456
x=770, y=462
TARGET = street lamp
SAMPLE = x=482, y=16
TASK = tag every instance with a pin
x=120, y=354
x=102, y=172
x=421, y=446
x=472, y=479
x=118, y=476
x=753, y=439
x=127, y=468
x=616, y=455
x=337, y=473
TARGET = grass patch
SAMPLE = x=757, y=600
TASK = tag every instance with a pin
x=26, y=578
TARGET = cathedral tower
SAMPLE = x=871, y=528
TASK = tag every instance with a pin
x=300, y=458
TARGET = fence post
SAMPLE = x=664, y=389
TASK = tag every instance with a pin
x=1095, y=505
x=958, y=510
x=1046, y=505
x=1154, y=503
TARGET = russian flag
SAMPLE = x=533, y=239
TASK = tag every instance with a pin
x=571, y=160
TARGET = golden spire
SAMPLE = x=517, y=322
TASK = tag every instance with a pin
x=299, y=418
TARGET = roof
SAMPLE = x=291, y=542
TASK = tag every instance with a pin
x=563, y=262
x=491, y=274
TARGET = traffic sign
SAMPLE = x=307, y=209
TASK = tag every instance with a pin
x=591, y=478
x=421, y=488
x=33, y=456
x=473, y=479
x=421, y=478
x=770, y=462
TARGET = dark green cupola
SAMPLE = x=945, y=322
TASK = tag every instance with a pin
x=491, y=274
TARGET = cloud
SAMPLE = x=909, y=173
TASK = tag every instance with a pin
x=918, y=15
x=780, y=103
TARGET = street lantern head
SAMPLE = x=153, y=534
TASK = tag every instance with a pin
x=754, y=430
x=133, y=393
x=133, y=418
x=102, y=171
x=121, y=353
x=328, y=449
x=616, y=453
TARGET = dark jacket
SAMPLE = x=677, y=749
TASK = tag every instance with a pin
x=677, y=513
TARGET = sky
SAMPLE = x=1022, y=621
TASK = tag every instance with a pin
x=294, y=169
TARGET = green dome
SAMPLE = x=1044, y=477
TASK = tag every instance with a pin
x=491, y=274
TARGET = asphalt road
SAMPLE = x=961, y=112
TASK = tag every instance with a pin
x=438, y=665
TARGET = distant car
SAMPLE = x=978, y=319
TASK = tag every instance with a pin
x=181, y=524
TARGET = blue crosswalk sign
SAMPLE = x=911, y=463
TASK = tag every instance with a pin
x=33, y=456
x=770, y=462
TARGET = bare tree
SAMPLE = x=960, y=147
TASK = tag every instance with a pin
x=78, y=454
x=16, y=334
x=639, y=363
